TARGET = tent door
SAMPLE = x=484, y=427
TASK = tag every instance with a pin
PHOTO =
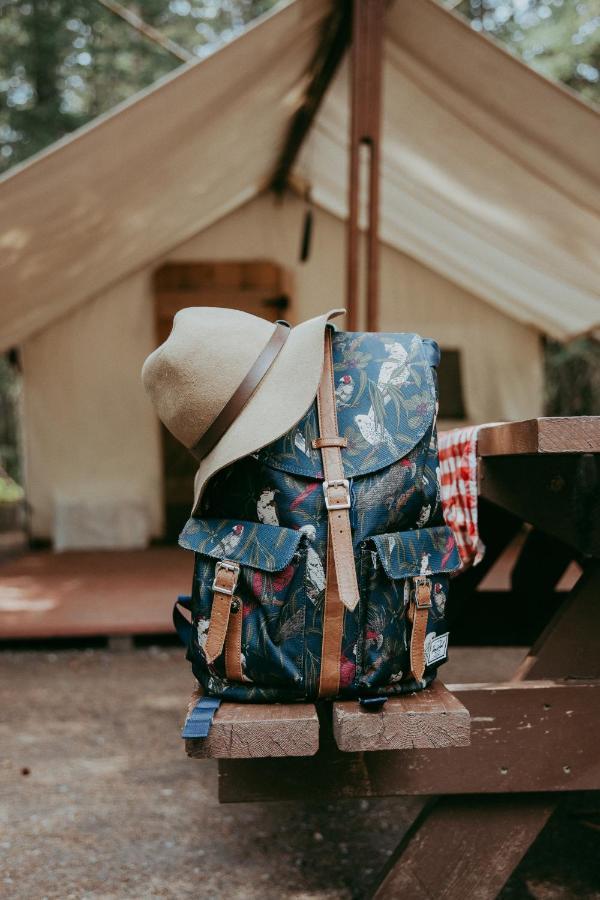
x=257, y=287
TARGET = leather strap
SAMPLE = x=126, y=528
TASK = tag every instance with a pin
x=418, y=613
x=242, y=393
x=341, y=588
x=226, y=575
x=329, y=442
x=333, y=628
x=233, y=642
x=337, y=492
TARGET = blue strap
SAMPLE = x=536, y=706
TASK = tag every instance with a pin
x=199, y=720
x=372, y=704
x=432, y=352
x=182, y=625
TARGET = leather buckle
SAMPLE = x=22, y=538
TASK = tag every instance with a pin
x=337, y=504
x=422, y=589
x=224, y=565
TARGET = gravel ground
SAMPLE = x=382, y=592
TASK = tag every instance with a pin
x=97, y=800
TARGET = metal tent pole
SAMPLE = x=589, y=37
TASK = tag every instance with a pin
x=366, y=61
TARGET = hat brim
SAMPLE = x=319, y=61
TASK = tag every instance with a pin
x=281, y=399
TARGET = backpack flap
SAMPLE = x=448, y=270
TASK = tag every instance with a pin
x=385, y=401
x=261, y=546
x=419, y=552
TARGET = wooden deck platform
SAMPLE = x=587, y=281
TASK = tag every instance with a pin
x=84, y=594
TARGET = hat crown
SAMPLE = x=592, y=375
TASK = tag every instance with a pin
x=210, y=351
x=192, y=375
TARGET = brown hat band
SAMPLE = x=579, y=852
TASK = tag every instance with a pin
x=242, y=393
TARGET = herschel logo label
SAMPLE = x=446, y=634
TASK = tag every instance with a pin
x=436, y=647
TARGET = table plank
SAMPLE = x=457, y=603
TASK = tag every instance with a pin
x=525, y=736
x=254, y=731
x=567, y=434
x=431, y=718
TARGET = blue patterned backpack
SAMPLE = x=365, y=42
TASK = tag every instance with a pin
x=321, y=561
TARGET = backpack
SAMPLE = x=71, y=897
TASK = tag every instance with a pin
x=321, y=562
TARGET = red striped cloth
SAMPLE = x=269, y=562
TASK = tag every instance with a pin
x=458, y=478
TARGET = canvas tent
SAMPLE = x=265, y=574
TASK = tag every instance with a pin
x=490, y=213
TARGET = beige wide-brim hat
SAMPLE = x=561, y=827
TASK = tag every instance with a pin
x=194, y=373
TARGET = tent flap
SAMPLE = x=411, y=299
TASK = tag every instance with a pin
x=481, y=179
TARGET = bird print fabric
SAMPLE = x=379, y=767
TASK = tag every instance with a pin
x=267, y=513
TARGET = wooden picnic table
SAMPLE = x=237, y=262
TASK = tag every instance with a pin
x=494, y=757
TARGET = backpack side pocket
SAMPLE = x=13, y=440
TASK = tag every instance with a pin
x=263, y=643
x=404, y=598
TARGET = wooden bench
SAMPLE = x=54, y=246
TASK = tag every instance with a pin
x=252, y=731
x=496, y=756
x=433, y=718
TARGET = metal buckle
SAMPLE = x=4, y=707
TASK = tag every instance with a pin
x=342, y=504
x=224, y=564
x=420, y=582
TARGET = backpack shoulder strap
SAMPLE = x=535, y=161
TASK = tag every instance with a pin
x=341, y=583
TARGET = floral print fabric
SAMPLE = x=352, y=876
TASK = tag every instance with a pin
x=267, y=512
x=384, y=399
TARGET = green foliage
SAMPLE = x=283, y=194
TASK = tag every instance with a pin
x=10, y=491
x=559, y=38
x=200, y=25
x=573, y=378
x=10, y=385
x=63, y=62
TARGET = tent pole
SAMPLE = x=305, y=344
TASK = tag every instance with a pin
x=366, y=60
x=352, y=238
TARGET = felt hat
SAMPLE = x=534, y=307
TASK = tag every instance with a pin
x=202, y=367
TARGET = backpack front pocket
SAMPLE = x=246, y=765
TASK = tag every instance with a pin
x=263, y=635
x=404, y=579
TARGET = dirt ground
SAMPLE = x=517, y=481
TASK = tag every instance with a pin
x=98, y=800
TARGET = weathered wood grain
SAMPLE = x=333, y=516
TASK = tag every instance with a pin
x=465, y=847
x=484, y=838
x=254, y=731
x=568, y=647
x=432, y=718
x=525, y=736
x=568, y=434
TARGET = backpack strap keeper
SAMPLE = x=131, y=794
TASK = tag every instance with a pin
x=336, y=441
